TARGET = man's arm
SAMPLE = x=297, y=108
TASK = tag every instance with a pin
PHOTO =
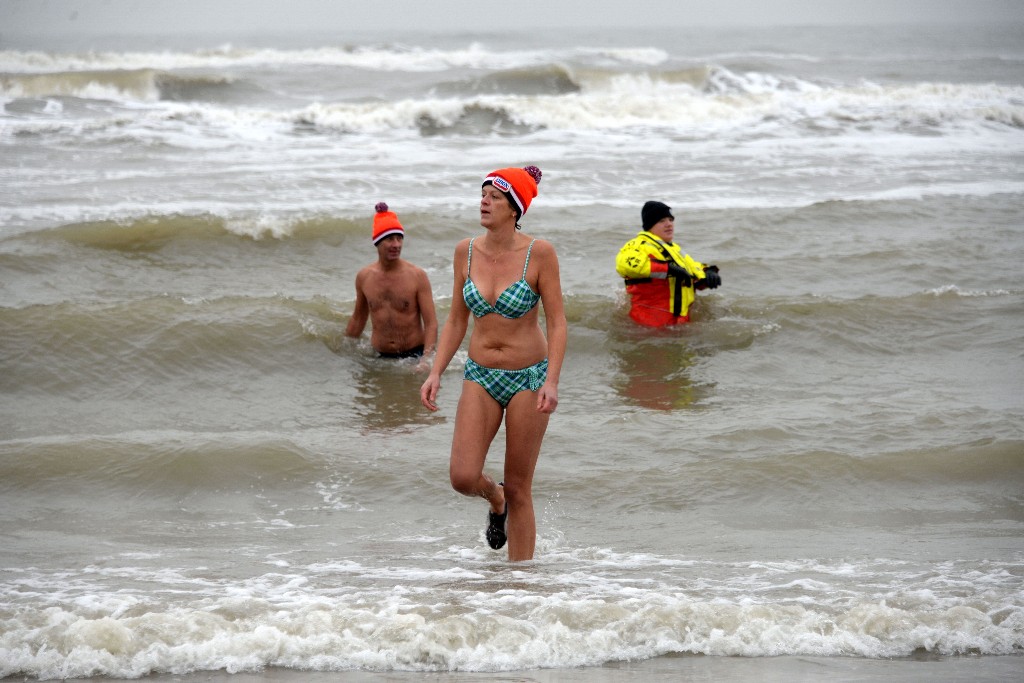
x=453, y=332
x=634, y=261
x=361, y=313
x=425, y=301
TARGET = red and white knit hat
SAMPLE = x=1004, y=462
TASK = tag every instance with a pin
x=385, y=223
x=518, y=184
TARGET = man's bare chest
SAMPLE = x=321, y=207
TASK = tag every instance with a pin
x=391, y=299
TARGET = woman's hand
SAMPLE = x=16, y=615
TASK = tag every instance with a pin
x=428, y=392
x=547, y=398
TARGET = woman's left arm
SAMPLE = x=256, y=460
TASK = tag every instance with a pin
x=549, y=285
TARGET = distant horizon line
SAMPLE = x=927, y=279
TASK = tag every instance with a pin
x=71, y=31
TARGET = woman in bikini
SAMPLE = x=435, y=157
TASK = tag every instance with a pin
x=513, y=369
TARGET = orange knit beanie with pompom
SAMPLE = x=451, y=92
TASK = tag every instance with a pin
x=385, y=223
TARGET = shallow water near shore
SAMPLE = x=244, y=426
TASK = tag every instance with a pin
x=822, y=476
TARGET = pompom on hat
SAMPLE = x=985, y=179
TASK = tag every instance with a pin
x=518, y=184
x=654, y=212
x=385, y=223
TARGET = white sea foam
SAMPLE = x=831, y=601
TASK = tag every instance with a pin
x=751, y=104
x=957, y=291
x=404, y=624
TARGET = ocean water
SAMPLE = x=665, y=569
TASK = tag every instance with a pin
x=200, y=473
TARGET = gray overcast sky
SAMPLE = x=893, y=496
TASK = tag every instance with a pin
x=202, y=16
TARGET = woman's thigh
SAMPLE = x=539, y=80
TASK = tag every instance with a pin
x=525, y=427
x=477, y=419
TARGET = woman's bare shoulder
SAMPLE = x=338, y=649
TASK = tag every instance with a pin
x=543, y=249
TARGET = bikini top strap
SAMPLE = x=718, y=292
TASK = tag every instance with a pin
x=527, y=264
x=469, y=257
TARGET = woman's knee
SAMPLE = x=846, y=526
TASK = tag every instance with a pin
x=463, y=484
x=517, y=493
x=465, y=480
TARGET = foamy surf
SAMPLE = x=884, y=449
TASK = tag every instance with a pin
x=819, y=476
x=474, y=617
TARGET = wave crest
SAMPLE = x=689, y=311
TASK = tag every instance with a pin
x=688, y=102
x=120, y=85
x=153, y=232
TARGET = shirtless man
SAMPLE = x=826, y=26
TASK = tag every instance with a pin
x=395, y=296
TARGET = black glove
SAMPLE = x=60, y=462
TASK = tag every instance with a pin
x=711, y=279
x=679, y=273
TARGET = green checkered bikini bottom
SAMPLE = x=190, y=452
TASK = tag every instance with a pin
x=502, y=385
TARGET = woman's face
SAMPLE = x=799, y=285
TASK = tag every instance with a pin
x=495, y=209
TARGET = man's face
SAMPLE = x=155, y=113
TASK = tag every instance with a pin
x=665, y=228
x=390, y=248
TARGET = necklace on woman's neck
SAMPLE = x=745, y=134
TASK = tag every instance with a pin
x=494, y=253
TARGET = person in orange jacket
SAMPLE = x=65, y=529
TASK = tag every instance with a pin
x=660, y=279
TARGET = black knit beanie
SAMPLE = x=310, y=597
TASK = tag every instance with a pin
x=654, y=212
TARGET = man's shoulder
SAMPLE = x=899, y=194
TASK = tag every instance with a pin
x=406, y=268
x=419, y=275
x=402, y=273
x=637, y=240
x=366, y=270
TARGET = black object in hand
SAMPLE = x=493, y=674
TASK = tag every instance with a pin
x=680, y=273
x=711, y=279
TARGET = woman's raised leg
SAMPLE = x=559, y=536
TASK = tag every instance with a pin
x=477, y=419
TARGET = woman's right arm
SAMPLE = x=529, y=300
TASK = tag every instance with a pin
x=453, y=332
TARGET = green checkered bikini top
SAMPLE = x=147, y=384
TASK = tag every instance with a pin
x=517, y=300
